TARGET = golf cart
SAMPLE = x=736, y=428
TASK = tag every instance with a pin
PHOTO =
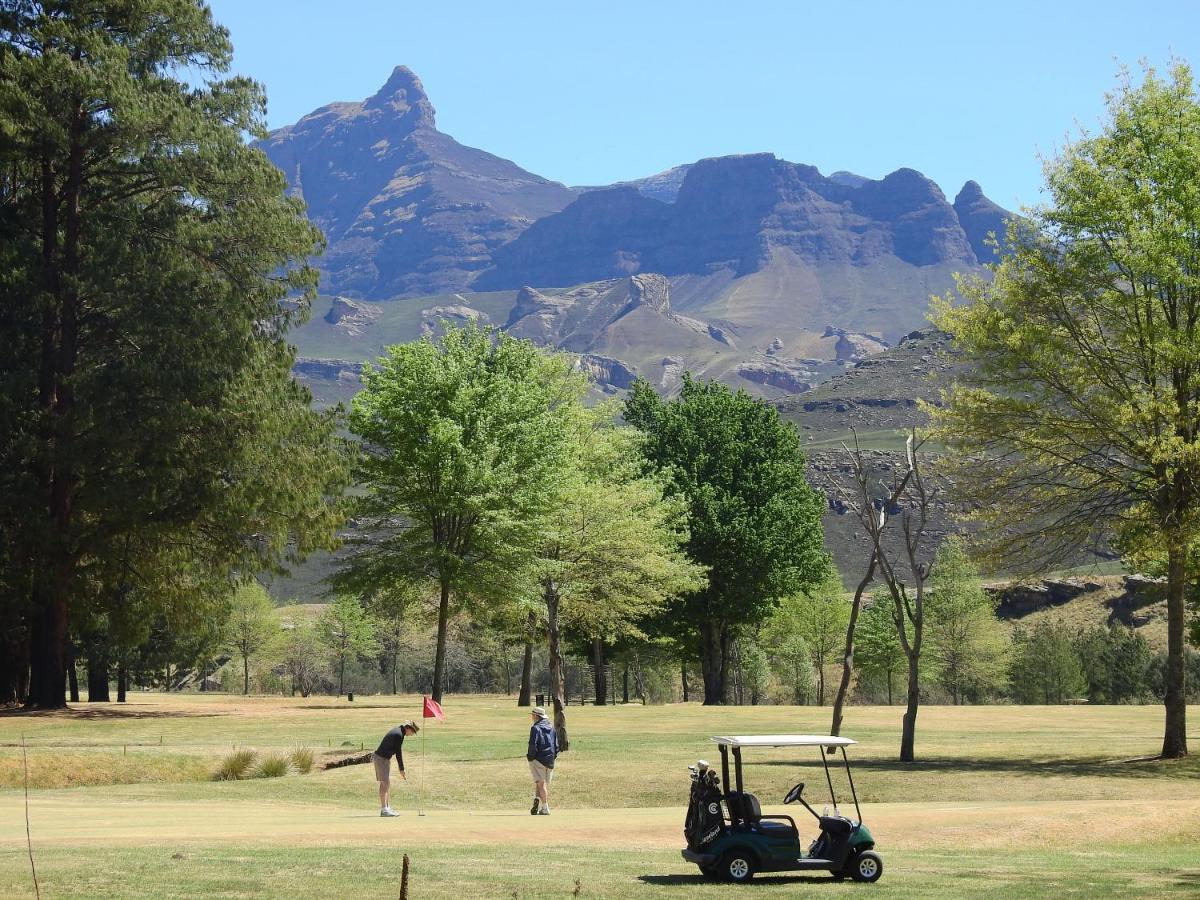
x=729, y=837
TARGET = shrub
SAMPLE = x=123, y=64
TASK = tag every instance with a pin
x=235, y=766
x=302, y=760
x=272, y=767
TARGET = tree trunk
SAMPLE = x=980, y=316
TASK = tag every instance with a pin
x=712, y=663
x=246, y=675
x=72, y=673
x=889, y=682
x=395, y=665
x=1175, y=729
x=342, y=675
x=821, y=682
x=524, y=698
x=557, y=684
x=439, y=657
x=56, y=396
x=843, y=691
x=600, y=675
x=909, y=734
x=683, y=678
x=625, y=686
x=97, y=669
x=47, y=657
x=123, y=679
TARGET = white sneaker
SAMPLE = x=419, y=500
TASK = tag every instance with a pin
x=387, y=811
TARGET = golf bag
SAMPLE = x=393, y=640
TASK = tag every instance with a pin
x=704, y=820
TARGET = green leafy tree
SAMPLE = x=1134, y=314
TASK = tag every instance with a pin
x=611, y=550
x=348, y=633
x=790, y=660
x=301, y=656
x=1081, y=418
x=819, y=617
x=147, y=250
x=466, y=439
x=966, y=642
x=754, y=521
x=878, y=653
x=1116, y=663
x=252, y=629
x=1045, y=667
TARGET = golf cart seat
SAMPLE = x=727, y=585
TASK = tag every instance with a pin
x=746, y=806
x=836, y=825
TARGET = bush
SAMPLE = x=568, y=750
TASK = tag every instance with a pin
x=302, y=760
x=235, y=766
x=272, y=767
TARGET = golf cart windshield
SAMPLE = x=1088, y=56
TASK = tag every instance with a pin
x=783, y=740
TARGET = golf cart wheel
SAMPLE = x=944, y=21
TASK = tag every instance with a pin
x=867, y=867
x=737, y=866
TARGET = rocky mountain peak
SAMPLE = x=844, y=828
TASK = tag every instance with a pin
x=404, y=97
x=980, y=217
x=970, y=193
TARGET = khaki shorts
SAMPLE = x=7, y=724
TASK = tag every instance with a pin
x=541, y=772
x=383, y=768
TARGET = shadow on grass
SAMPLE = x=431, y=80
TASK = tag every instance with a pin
x=765, y=880
x=104, y=712
x=1143, y=767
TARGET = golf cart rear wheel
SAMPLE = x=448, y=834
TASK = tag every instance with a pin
x=867, y=866
x=737, y=866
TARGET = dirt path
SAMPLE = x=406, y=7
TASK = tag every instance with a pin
x=79, y=821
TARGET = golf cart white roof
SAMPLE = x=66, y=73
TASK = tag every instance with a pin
x=783, y=740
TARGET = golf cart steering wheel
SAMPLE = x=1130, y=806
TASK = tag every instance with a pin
x=794, y=794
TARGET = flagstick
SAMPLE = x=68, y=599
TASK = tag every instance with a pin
x=421, y=783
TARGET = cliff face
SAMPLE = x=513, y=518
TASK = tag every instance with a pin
x=407, y=210
x=734, y=212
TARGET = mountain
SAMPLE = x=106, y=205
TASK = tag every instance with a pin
x=768, y=275
x=735, y=212
x=406, y=209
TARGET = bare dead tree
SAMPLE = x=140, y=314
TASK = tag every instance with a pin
x=903, y=570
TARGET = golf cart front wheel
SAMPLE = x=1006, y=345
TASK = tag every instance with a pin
x=867, y=866
x=737, y=866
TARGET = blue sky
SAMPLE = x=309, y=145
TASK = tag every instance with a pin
x=591, y=93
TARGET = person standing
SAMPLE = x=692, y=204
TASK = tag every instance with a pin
x=543, y=748
x=391, y=745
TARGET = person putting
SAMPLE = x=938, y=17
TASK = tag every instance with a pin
x=543, y=748
x=391, y=745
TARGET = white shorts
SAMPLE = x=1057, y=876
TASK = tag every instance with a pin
x=540, y=772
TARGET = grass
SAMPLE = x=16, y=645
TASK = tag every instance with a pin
x=236, y=765
x=272, y=767
x=302, y=760
x=1003, y=801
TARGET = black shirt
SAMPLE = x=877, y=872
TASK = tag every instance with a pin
x=391, y=745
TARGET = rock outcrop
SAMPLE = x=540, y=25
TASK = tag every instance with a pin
x=328, y=369
x=607, y=372
x=853, y=346
x=432, y=319
x=778, y=374
x=351, y=316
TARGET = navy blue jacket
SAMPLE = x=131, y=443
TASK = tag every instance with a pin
x=543, y=743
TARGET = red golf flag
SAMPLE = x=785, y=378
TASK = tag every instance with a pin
x=432, y=709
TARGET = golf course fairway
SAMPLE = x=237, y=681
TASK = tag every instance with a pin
x=1005, y=801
